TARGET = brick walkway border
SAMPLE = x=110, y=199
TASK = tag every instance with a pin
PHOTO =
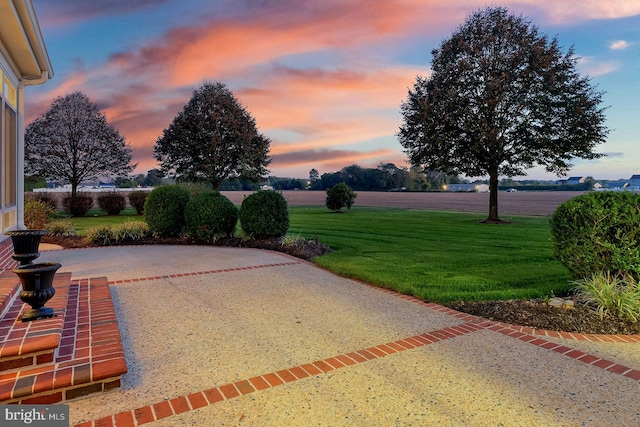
x=180, y=404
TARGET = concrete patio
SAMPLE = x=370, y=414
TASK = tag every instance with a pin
x=226, y=336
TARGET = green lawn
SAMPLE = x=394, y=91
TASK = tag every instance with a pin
x=436, y=256
x=97, y=218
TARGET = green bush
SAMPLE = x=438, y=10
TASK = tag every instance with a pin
x=611, y=294
x=112, y=202
x=340, y=196
x=61, y=228
x=36, y=214
x=209, y=216
x=164, y=210
x=264, y=214
x=137, y=199
x=598, y=232
x=77, y=206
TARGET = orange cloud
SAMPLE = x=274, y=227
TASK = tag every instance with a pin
x=329, y=109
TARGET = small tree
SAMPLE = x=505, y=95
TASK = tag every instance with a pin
x=501, y=99
x=340, y=196
x=73, y=142
x=213, y=139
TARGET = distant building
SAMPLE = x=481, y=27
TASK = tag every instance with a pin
x=634, y=182
x=468, y=188
x=574, y=180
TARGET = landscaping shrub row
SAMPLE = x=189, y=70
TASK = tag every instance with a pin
x=112, y=202
x=206, y=215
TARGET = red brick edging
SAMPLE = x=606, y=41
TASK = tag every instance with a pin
x=180, y=404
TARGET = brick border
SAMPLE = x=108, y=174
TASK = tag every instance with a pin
x=177, y=405
x=199, y=399
x=90, y=357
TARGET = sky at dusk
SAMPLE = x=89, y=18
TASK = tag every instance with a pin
x=324, y=79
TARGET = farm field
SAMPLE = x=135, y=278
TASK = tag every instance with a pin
x=519, y=203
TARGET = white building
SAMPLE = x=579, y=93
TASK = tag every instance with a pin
x=468, y=188
x=23, y=61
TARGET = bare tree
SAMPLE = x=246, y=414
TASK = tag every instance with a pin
x=73, y=142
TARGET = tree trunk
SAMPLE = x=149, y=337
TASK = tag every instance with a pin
x=493, y=198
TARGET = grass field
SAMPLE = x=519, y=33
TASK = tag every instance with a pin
x=436, y=256
x=97, y=217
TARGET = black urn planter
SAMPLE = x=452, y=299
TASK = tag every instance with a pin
x=37, y=288
x=25, y=244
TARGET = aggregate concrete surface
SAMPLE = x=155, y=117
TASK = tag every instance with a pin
x=201, y=317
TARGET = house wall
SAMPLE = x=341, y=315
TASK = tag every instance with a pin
x=9, y=140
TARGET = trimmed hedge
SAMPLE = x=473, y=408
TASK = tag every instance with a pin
x=77, y=206
x=209, y=216
x=164, y=210
x=264, y=214
x=113, y=203
x=599, y=232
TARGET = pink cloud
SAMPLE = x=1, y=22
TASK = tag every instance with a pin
x=329, y=112
x=61, y=13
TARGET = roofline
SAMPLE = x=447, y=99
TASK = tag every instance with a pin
x=22, y=17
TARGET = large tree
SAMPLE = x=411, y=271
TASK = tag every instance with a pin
x=73, y=142
x=213, y=139
x=501, y=98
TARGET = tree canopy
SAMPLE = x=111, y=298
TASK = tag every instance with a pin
x=73, y=142
x=501, y=99
x=213, y=139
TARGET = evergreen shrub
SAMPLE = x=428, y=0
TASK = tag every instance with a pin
x=164, y=210
x=599, y=232
x=209, y=216
x=264, y=214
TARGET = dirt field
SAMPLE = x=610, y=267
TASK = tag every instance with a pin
x=519, y=203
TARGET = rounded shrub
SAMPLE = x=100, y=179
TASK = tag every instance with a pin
x=112, y=202
x=164, y=210
x=79, y=205
x=137, y=199
x=340, y=196
x=264, y=214
x=599, y=232
x=36, y=214
x=209, y=216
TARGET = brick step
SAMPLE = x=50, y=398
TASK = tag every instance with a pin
x=28, y=344
x=77, y=352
